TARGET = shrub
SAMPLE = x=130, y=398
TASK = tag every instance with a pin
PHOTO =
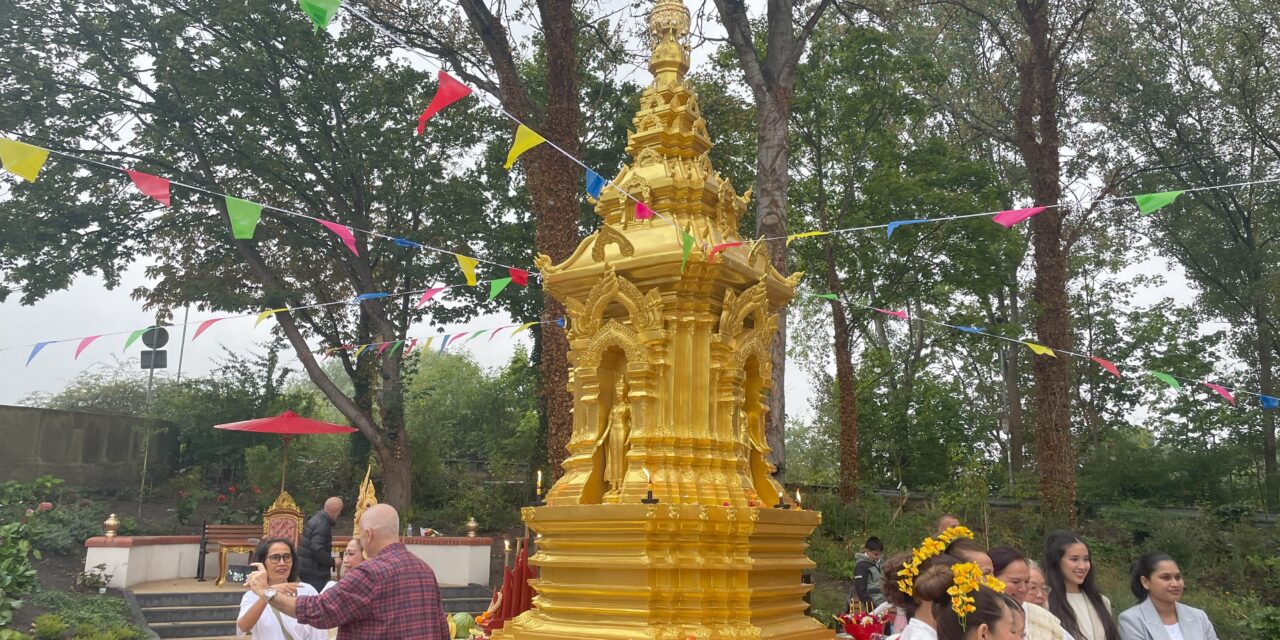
x=86, y=610
x=49, y=627
x=17, y=576
x=64, y=528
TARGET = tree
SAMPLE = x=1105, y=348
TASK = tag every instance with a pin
x=250, y=102
x=1202, y=112
x=771, y=75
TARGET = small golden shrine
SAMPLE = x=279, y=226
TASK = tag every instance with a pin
x=367, y=498
x=670, y=371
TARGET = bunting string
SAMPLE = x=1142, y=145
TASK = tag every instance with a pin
x=1173, y=381
x=244, y=213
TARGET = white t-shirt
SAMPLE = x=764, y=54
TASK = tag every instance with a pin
x=1174, y=631
x=917, y=630
x=268, y=628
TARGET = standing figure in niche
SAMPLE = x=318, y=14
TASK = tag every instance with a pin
x=616, y=439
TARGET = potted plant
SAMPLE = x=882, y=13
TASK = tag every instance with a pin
x=94, y=578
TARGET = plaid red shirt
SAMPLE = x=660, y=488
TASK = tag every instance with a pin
x=392, y=595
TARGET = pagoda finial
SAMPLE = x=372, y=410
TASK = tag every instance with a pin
x=669, y=36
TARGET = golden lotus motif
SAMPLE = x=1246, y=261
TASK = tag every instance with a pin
x=670, y=371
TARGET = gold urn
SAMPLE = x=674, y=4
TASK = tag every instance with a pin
x=670, y=374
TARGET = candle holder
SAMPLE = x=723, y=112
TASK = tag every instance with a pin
x=649, y=499
x=782, y=503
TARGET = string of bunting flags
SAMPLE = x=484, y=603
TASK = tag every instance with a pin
x=1173, y=381
x=424, y=295
x=25, y=160
x=446, y=339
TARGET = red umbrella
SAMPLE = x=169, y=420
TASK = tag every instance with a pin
x=287, y=424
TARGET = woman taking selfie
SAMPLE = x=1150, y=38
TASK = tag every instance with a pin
x=257, y=617
x=1157, y=584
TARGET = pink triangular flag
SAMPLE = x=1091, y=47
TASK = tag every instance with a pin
x=519, y=276
x=383, y=347
x=84, y=343
x=902, y=315
x=343, y=232
x=1009, y=218
x=204, y=325
x=1222, y=391
x=643, y=212
x=412, y=343
x=495, y=331
x=429, y=294
x=721, y=247
x=151, y=186
x=1107, y=364
x=448, y=92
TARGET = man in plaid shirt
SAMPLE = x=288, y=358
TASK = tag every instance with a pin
x=392, y=595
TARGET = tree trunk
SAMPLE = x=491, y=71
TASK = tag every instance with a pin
x=772, y=180
x=1038, y=141
x=1267, y=380
x=848, y=397
x=1013, y=387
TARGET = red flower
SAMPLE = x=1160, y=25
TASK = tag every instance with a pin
x=44, y=506
x=30, y=511
x=182, y=493
x=231, y=489
x=257, y=490
x=221, y=498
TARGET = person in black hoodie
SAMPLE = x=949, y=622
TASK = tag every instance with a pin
x=868, y=577
x=315, y=548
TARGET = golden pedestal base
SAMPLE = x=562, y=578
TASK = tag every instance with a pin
x=668, y=572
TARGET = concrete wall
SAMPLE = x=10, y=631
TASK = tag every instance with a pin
x=84, y=449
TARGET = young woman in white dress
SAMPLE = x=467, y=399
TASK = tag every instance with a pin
x=1073, y=597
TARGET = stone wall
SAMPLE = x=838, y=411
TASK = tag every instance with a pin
x=84, y=449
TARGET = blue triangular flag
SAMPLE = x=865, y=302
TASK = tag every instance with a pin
x=37, y=349
x=969, y=329
x=371, y=296
x=408, y=244
x=1269, y=403
x=595, y=184
x=444, y=341
x=898, y=223
x=560, y=322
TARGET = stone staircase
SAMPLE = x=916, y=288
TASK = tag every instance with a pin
x=212, y=614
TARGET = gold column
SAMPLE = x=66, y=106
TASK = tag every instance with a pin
x=670, y=374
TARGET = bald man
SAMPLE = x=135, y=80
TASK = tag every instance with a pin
x=315, y=547
x=392, y=595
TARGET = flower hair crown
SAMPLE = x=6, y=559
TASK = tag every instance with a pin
x=968, y=579
x=928, y=549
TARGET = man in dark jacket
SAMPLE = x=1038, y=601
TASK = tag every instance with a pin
x=315, y=549
x=868, y=578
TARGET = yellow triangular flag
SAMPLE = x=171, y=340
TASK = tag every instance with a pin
x=526, y=139
x=427, y=345
x=523, y=327
x=267, y=314
x=806, y=234
x=1041, y=350
x=22, y=159
x=468, y=265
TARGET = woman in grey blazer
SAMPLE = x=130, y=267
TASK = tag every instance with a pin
x=1157, y=583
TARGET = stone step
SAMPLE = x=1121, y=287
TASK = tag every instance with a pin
x=191, y=614
x=194, y=599
x=194, y=629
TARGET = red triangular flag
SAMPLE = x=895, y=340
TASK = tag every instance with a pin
x=448, y=92
x=643, y=212
x=383, y=347
x=151, y=186
x=204, y=325
x=519, y=276
x=1106, y=364
x=902, y=315
x=343, y=232
x=1009, y=218
x=84, y=343
x=429, y=294
x=721, y=247
x=1222, y=391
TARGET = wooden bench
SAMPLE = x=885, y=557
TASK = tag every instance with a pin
x=231, y=538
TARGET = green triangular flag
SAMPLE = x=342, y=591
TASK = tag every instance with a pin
x=244, y=217
x=1151, y=202
x=133, y=337
x=496, y=286
x=476, y=335
x=687, y=242
x=320, y=11
x=396, y=346
x=1167, y=379
x=827, y=296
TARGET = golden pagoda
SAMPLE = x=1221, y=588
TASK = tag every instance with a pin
x=667, y=523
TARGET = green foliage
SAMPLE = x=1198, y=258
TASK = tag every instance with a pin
x=17, y=575
x=49, y=627
x=87, y=613
x=64, y=528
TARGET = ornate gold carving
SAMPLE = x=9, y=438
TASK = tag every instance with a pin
x=673, y=512
x=366, y=498
x=737, y=309
x=607, y=235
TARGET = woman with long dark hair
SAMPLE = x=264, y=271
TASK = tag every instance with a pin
x=277, y=558
x=1073, y=597
x=1156, y=581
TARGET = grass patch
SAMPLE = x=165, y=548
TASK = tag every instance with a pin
x=85, y=610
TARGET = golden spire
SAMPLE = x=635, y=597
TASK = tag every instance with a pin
x=669, y=37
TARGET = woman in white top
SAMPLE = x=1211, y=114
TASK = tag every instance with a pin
x=352, y=556
x=1073, y=597
x=1014, y=570
x=1157, y=584
x=932, y=583
x=263, y=621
